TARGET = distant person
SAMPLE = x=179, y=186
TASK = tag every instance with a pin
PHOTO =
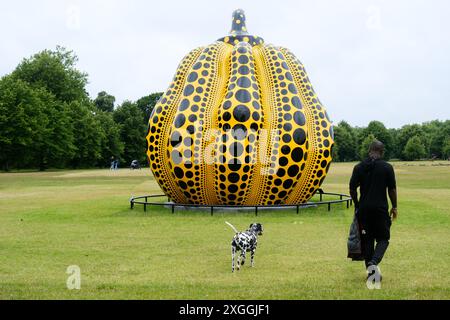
x=116, y=164
x=374, y=177
x=113, y=162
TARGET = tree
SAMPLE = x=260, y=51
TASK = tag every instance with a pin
x=377, y=129
x=111, y=144
x=21, y=120
x=345, y=141
x=364, y=148
x=105, y=102
x=405, y=133
x=436, y=134
x=132, y=131
x=147, y=103
x=55, y=71
x=34, y=127
x=446, y=148
x=414, y=149
x=56, y=146
x=87, y=134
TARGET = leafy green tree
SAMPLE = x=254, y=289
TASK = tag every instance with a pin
x=21, y=120
x=446, y=148
x=345, y=141
x=335, y=153
x=436, y=133
x=414, y=149
x=105, y=102
x=55, y=71
x=395, y=150
x=111, y=144
x=55, y=146
x=34, y=127
x=365, y=144
x=377, y=129
x=404, y=134
x=132, y=131
x=147, y=103
x=87, y=134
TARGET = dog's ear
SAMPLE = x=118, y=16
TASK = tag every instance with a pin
x=251, y=225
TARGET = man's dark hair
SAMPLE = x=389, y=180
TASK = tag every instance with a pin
x=376, y=149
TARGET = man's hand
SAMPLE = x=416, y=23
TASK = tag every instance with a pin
x=394, y=213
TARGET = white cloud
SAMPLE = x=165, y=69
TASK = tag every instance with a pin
x=368, y=59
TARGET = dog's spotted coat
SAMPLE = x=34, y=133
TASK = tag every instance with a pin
x=246, y=241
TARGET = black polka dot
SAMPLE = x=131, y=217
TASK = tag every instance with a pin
x=300, y=136
x=184, y=105
x=296, y=102
x=285, y=150
x=226, y=116
x=182, y=185
x=288, y=183
x=176, y=156
x=242, y=50
x=192, y=77
x=243, y=82
x=180, y=120
x=243, y=96
x=283, y=161
x=234, y=166
x=299, y=118
x=236, y=149
x=179, y=172
x=176, y=139
x=293, y=171
x=239, y=132
x=244, y=70
x=187, y=141
x=241, y=113
x=243, y=59
x=233, y=177
x=190, y=129
x=281, y=172
x=227, y=105
x=297, y=154
x=188, y=90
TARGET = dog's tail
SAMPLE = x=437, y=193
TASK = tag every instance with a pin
x=231, y=226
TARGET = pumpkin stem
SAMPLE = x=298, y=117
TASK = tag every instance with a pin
x=238, y=27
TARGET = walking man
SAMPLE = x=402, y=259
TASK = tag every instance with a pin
x=374, y=177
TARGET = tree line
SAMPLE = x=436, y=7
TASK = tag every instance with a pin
x=429, y=140
x=48, y=120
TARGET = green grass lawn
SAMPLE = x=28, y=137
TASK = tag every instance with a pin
x=51, y=220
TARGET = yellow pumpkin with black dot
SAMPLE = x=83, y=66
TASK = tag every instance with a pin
x=240, y=125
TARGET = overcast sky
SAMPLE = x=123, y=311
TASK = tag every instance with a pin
x=367, y=59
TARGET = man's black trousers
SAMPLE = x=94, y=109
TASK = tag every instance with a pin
x=376, y=227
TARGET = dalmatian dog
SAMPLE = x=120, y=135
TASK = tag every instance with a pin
x=245, y=241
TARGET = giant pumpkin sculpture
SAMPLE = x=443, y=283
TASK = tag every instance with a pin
x=240, y=125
